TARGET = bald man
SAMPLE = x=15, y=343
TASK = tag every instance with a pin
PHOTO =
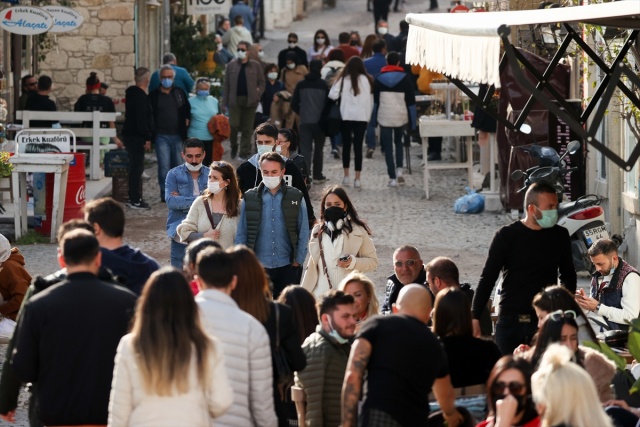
x=404, y=361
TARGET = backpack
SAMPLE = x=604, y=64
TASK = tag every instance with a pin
x=331, y=75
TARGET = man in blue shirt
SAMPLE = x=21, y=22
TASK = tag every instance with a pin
x=242, y=9
x=373, y=66
x=183, y=185
x=182, y=79
x=273, y=222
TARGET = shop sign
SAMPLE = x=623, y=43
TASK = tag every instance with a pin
x=25, y=20
x=64, y=19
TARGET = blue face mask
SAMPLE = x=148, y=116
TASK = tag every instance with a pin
x=167, y=83
x=549, y=218
x=202, y=93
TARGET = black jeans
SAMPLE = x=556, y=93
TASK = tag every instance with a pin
x=135, y=149
x=352, y=132
x=281, y=277
x=312, y=134
x=513, y=330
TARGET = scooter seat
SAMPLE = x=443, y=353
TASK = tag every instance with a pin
x=565, y=208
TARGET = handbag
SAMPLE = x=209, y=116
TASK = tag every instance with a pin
x=284, y=379
x=334, y=117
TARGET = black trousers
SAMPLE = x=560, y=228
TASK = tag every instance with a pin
x=135, y=149
x=281, y=277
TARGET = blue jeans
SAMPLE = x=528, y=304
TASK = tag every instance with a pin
x=388, y=136
x=370, y=137
x=177, y=254
x=169, y=154
x=336, y=141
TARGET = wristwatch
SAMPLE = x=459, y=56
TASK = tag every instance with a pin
x=598, y=307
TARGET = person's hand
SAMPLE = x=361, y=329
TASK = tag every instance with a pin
x=506, y=411
x=614, y=402
x=295, y=264
x=476, y=328
x=585, y=302
x=175, y=193
x=119, y=143
x=344, y=264
x=453, y=419
x=147, y=145
x=9, y=416
x=213, y=234
x=522, y=348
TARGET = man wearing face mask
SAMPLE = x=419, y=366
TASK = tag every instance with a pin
x=250, y=175
x=529, y=253
x=222, y=55
x=301, y=55
x=382, y=29
x=273, y=222
x=171, y=114
x=183, y=185
x=327, y=352
x=615, y=287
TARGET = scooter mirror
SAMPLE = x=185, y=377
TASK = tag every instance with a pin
x=573, y=147
x=517, y=175
x=525, y=128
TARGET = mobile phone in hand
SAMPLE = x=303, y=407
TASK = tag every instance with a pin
x=344, y=258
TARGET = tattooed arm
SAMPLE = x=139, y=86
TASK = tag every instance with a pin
x=352, y=386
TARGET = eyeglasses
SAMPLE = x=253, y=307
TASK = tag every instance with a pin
x=515, y=388
x=408, y=263
x=558, y=315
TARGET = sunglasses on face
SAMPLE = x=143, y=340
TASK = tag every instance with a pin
x=242, y=50
x=515, y=388
x=408, y=263
x=32, y=84
x=220, y=164
x=558, y=315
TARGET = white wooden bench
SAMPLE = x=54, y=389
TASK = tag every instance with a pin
x=77, y=118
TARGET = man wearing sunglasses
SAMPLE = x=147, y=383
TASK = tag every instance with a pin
x=29, y=86
x=615, y=287
x=528, y=254
x=408, y=269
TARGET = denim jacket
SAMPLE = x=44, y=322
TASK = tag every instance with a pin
x=179, y=180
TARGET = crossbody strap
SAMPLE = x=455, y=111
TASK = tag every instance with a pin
x=324, y=262
x=275, y=305
x=208, y=209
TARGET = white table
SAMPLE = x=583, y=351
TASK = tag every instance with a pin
x=58, y=164
x=454, y=128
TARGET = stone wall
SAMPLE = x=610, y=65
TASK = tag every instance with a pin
x=104, y=43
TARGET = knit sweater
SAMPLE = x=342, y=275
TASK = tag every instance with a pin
x=14, y=282
x=358, y=244
x=197, y=221
x=322, y=378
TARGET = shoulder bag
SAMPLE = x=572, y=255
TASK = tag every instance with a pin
x=284, y=379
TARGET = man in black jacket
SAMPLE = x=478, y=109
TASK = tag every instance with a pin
x=171, y=114
x=68, y=338
x=309, y=101
x=292, y=41
x=408, y=269
x=136, y=134
x=39, y=101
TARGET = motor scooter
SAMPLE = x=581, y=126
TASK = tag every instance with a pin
x=583, y=218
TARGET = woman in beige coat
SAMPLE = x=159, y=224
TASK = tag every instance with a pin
x=340, y=243
x=215, y=214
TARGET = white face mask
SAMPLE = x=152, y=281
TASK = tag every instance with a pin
x=264, y=149
x=333, y=333
x=261, y=54
x=241, y=55
x=272, y=76
x=219, y=47
x=292, y=45
x=271, y=182
x=320, y=40
x=383, y=30
x=214, y=187
x=193, y=168
x=278, y=149
x=291, y=66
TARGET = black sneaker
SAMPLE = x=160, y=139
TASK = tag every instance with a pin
x=320, y=178
x=335, y=153
x=142, y=205
x=370, y=153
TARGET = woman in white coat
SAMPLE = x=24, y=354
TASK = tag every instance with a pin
x=340, y=243
x=354, y=89
x=215, y=214
x=168, y=371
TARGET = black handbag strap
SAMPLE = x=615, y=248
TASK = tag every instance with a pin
x=275, y=305
x=208, y=209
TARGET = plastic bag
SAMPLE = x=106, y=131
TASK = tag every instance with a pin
x=7, y=326
x=471, y=203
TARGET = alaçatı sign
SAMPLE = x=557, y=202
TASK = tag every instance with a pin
x=29, y=21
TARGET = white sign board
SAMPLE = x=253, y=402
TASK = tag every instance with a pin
x=64, y=19
x=208, y=7
x=43, y=143
x=25, y=20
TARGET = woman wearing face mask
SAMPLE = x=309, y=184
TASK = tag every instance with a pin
x=356, y=42
x=215, y=214
x=272, y=87
x=203, y=107
x=292, y=72
x=321, y=46
x=509, y=395
x=340, y=243
x=288, y=148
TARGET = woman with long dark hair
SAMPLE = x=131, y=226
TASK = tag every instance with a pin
x=168, y=371
x=340, y=243
x=354, y=89
x=321, y=46
x=303, y=306
x=252, y=295
x=215, y=214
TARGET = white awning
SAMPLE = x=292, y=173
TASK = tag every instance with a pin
x=466, y=46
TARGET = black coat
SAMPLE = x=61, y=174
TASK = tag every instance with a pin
x=184, y=108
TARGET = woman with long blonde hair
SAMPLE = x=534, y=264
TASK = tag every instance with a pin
x=363, y=291
x=168, y=371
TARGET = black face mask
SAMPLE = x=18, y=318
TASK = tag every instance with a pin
x=334, y=213
x=522, y=402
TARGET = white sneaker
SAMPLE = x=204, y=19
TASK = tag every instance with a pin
x=356, y=183
x=393, y=183
x=145, y=176
x=345, y=180
x=399, y=176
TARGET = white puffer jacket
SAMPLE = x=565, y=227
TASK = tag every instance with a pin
x=131, y=405
x=247, y=356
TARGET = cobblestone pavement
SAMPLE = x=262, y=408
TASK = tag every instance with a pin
x=396, y=216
